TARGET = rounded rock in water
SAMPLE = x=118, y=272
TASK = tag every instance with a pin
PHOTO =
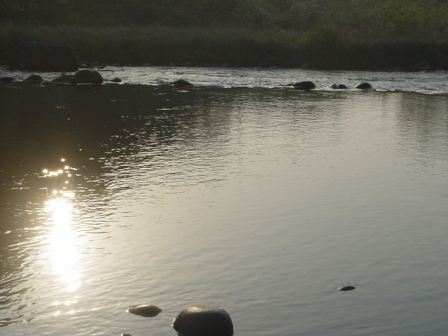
x=305, y=86
x=34, y=79
x=144, y=310
x=203, y=321
x=181, y=83
x=363, y=86
x=65, y=79
x=87, y=76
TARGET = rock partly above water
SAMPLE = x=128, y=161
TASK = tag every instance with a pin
x=87, y=76
x=203, y=321
x=363, y=86
x=305, y=86
x=144, y=310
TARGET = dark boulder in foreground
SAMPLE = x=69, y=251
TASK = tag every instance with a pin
x=42, y=56
x=87, y=76
x=203, y=321
x=144, y=310
x=305, y=86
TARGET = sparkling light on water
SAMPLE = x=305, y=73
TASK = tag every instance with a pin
x=259, y=201
x=62, y=245
x=63, y=252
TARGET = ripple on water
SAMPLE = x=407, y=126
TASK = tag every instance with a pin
x=422, y=82
x=258, y=200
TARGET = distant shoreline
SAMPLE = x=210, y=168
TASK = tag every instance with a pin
x=231, y=47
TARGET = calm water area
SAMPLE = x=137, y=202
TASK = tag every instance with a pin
x=237, y=192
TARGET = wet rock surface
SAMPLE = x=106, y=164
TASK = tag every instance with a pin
x=363, y=86
x=203, y=321
x=305, y=85
x=87, y=76
x=181, y=83
x=34, y=78
x=65, y=79
x=144, y=310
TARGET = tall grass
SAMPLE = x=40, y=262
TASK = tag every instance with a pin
x=321, y=47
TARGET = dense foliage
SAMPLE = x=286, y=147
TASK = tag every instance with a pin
x=359, y=34
x=377, y=18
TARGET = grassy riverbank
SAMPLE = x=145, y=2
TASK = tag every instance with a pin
x=320, y=48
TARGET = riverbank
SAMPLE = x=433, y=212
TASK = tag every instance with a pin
x=320, y=48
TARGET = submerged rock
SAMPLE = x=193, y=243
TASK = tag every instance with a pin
x=144, y=310
x=203, y=321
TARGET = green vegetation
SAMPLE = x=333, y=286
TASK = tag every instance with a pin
x=343, y=34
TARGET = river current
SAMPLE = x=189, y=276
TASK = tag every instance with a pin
x=435, y=82
x=237, y=192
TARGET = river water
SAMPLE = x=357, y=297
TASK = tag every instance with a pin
x=237, y=192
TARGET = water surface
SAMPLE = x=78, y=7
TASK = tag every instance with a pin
x=257, y=199
x=435, y=82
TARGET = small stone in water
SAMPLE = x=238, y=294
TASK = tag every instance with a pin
x=346, y=288
x=144, y=310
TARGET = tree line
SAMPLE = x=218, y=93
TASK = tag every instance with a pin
x=414, y=19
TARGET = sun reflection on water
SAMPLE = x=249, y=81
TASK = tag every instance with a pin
x=62, y=239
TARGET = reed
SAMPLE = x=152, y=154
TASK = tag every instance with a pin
x=322, y=47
